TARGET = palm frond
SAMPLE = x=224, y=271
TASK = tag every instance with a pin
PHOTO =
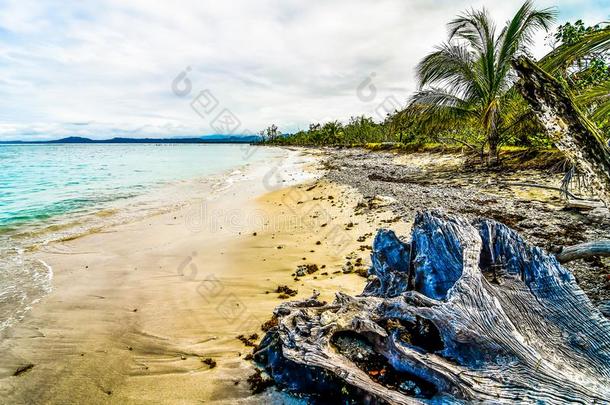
x=435, y=110
x=520, y=29
x=564, y=55
x=475, y=27
x=452, y=66
x=436, y=97
x=596, y=100
x=594, y=94
x=601, y=112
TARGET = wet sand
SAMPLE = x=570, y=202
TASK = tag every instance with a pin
x=137, y=308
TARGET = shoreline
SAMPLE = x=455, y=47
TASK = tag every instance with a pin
x=21, y=243
x=152, y=310
x=137, y=310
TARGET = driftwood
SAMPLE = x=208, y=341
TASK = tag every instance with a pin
x=570, y=130
x=466, y=311
x=584, y=205
x=584, y=251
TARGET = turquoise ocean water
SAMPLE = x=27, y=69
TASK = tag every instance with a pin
x=52, y=191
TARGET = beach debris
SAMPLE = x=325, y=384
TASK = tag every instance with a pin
x=390, y=220
x=600, y=248
x=248, y=341
x=362, y=272
x=348, y=267
x=285, y=291
x=209, y=362
x=259, y=382
x=271, y=323
x=318, y=243
x=23, y=369
x=432, y=327
x=370, y=203
x=305, y=269
x=364, y=237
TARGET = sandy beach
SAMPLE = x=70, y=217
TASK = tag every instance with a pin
x=168, y=308
x=305, y=203
x=150, y=310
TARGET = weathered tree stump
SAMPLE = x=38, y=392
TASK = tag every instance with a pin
x=463, y=312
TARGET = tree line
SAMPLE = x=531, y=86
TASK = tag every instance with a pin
x=466, y=87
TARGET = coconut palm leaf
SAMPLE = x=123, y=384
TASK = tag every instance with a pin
x=452, y=66
x=438, y=98
x=565, y=55
x=520, y=30
x=471, y=74
x=596, y=100
x=475, y=27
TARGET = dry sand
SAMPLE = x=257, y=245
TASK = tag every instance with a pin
x=136, y=308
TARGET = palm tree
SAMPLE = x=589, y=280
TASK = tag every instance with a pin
x=469, y=79
x=332, y=132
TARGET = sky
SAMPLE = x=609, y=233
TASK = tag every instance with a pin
x=138, y=68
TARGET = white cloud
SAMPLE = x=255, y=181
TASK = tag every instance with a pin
x=108, y=65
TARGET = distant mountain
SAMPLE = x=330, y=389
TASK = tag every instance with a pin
x=70, y=139
x=203, y=139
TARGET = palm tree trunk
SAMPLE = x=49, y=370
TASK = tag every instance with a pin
x=568, y=127
x=493, y=142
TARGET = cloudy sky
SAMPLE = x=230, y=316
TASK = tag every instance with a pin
x=112, y=67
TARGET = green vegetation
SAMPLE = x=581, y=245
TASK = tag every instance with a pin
x=466, y=96
x=468, y=81
x=358, y=130
x=586, y=71
x=583, y=61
